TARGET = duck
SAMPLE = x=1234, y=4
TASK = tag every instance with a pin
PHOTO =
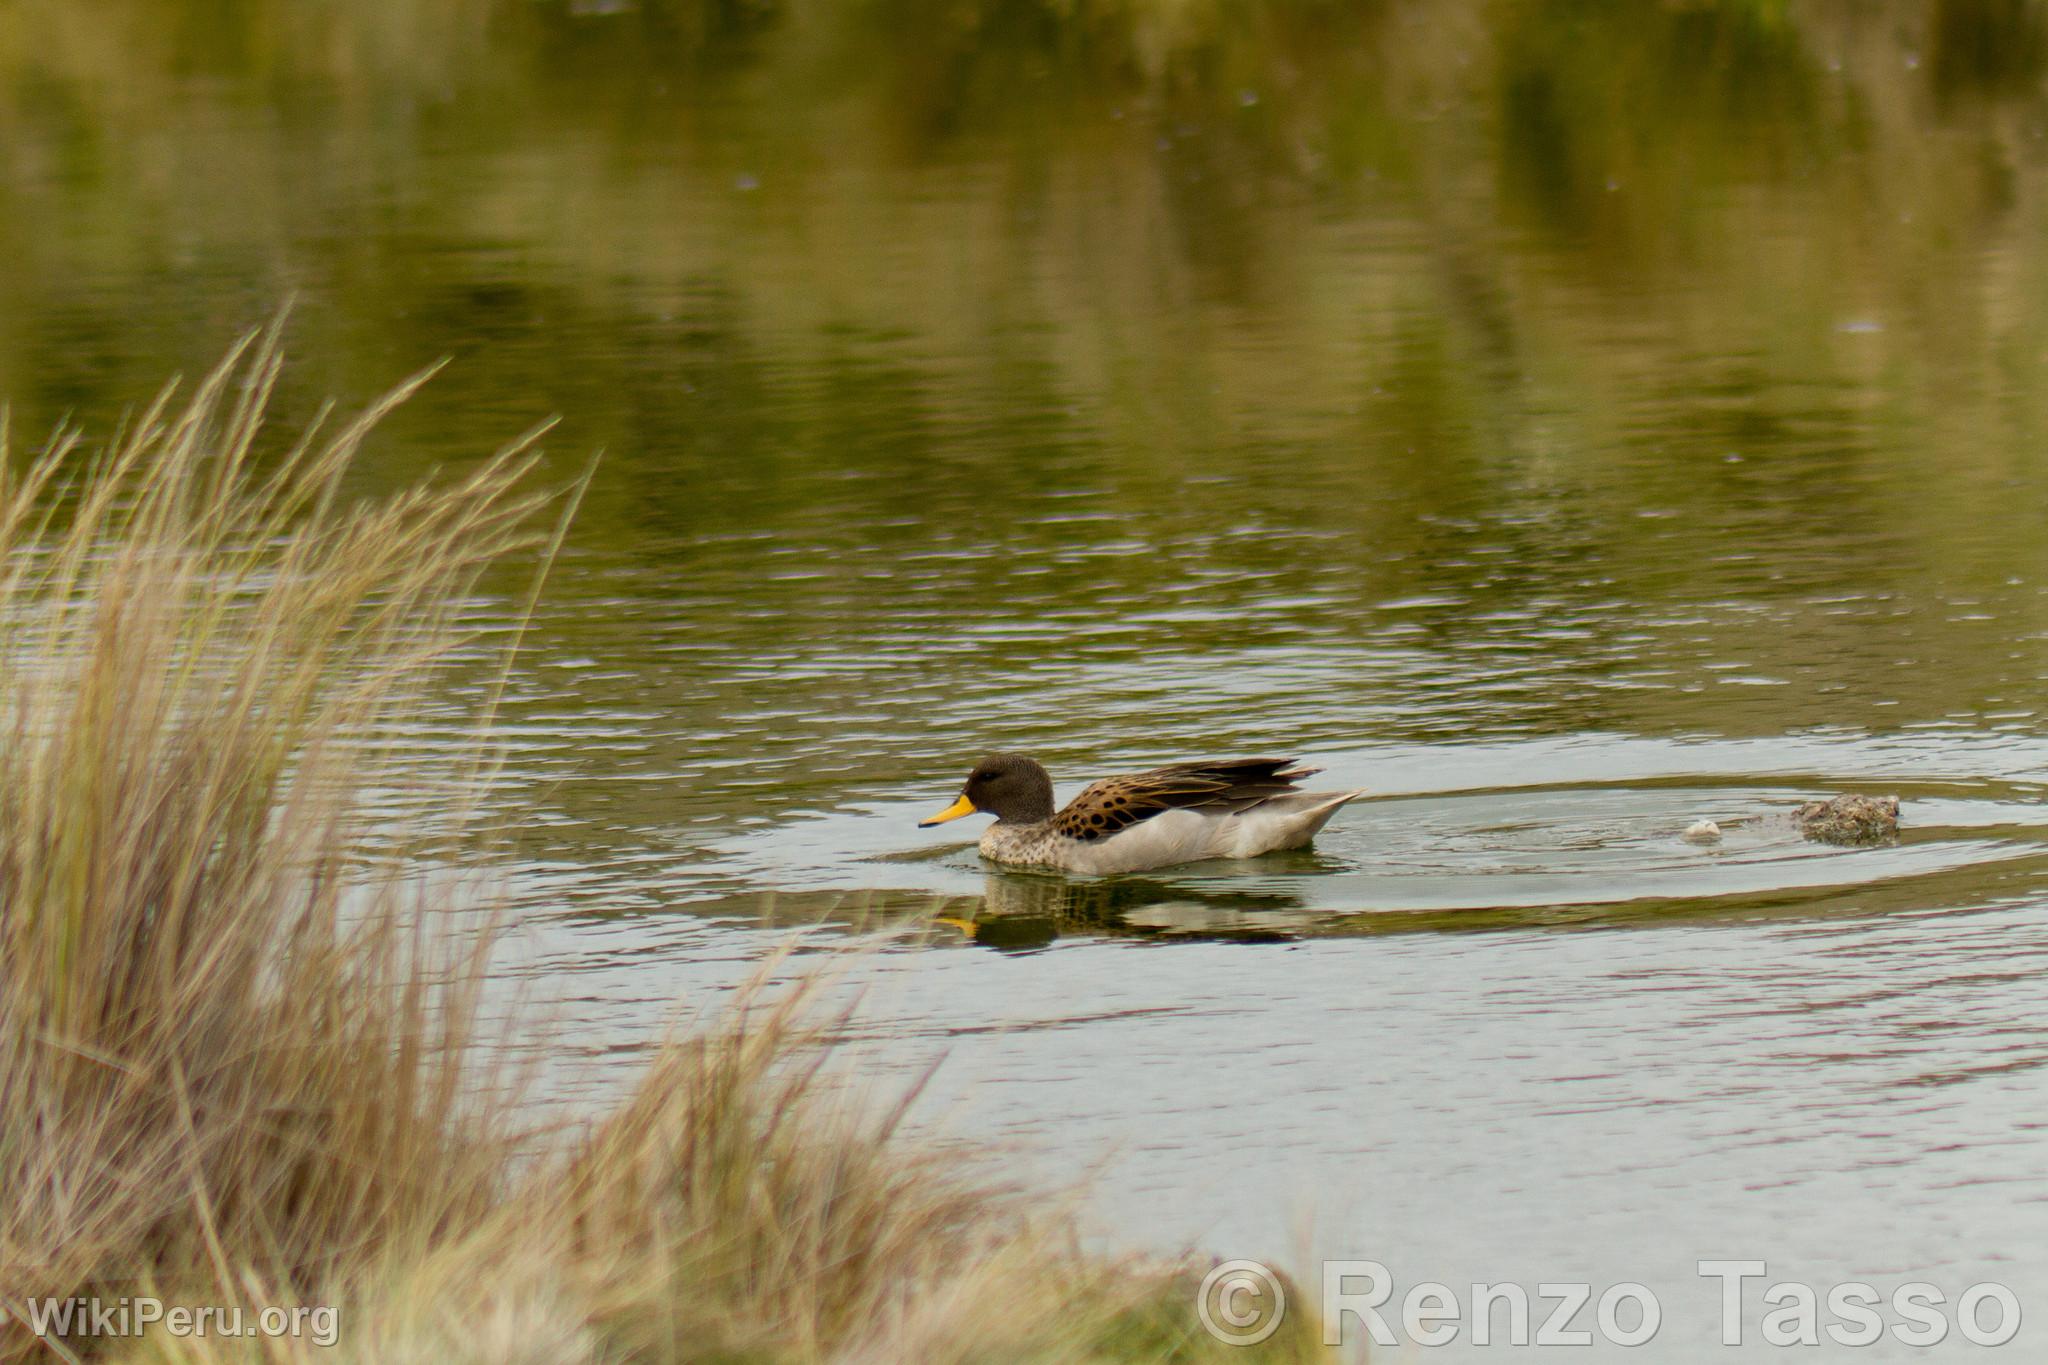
x=1182, y=813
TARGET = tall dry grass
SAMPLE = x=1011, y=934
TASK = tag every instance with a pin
x=227, y=1061
x=243, y=1063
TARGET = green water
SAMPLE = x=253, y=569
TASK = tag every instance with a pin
x=1568, y=421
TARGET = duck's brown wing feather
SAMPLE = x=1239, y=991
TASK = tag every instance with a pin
x=1231, y=785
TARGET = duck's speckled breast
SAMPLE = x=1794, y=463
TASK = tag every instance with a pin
x=1037, y=844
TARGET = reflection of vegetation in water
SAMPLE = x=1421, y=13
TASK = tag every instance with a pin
x=1986, y=49
x=1671, y=102
x=1124, y=127
x=1216, y=323
x=602, y=155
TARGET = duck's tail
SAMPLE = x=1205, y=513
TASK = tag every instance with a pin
x=1292, y=820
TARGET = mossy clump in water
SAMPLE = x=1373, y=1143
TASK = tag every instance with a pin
x=1850, y=819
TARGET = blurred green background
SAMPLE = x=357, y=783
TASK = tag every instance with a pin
x=1121, y=347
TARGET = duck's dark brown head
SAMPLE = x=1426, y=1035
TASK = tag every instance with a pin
x=1011, y=787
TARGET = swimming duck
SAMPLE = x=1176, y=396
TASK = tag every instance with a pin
x=1229, y=808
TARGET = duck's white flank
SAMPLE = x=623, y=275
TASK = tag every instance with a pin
x=1171, y=836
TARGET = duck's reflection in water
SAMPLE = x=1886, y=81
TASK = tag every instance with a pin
x=1019, y=912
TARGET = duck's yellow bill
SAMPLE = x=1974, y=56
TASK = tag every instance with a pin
x=953, y=812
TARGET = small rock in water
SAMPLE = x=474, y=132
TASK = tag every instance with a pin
x=1703, y=832
x=1850, y=819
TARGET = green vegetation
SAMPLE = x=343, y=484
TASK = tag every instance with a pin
x=245, y=1054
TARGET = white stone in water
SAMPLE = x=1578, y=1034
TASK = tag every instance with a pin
x=1703, y=832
